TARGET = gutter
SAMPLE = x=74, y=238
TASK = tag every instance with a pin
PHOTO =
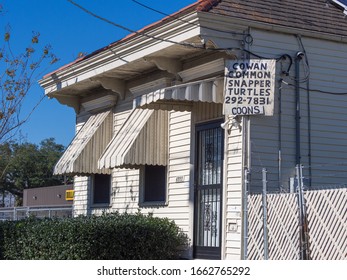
x=339, y=4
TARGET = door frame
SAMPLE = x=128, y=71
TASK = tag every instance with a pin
x=201, y=252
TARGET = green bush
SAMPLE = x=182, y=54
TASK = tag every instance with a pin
x=111, y=236
x=1, y=240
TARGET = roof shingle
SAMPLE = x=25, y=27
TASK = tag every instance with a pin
x=312, y=15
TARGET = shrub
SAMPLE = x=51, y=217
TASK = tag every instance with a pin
x=1, y=240
x=110, y=236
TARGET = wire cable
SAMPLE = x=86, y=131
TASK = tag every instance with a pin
x=341, y=163
x=316, y=90
x=283, y=56
x=144, y=34
x=308, y=101
x=141, y=33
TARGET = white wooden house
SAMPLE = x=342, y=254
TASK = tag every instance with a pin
x=151, y=133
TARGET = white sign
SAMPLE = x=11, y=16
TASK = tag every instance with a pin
x=249, y=87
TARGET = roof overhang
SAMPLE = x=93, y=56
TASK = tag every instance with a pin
x=126, y=59
x=132, y=56
x=342, y=4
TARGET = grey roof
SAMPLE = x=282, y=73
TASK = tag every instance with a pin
x=312, y=15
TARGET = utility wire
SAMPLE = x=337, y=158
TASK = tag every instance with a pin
x=131, y=30
x=342, y=163
x=316, y=90
x=308, y=100
x=283, y=56
x=144, y=34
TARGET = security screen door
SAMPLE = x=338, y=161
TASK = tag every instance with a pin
x=208, y=190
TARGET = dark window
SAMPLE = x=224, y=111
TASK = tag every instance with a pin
x=101, y=189
x=154, y=183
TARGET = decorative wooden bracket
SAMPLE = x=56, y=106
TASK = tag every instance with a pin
x=71, y=101
x=170, y=65
x=114, y=84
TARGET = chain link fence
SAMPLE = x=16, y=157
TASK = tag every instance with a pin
x=18, y=213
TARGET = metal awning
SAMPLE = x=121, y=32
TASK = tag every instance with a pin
x=85, y=149
x=179, y=97
x=142, y=139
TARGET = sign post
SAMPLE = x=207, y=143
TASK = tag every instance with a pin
x=249, y=90
x=249, y=87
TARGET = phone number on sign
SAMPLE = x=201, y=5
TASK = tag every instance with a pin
x=247, y=100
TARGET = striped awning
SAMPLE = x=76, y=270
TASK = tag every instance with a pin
x=178, y=97
x=82, y=154
x=142, y=139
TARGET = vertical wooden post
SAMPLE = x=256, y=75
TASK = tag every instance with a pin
x=266, y=247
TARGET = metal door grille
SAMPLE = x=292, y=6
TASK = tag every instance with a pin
x=209, y=157
x=208, y=200
x=208, y=217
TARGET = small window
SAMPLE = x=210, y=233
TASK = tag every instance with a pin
x=154, y=184
x=101, y=189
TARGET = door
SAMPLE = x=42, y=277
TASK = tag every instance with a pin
x=208, y=190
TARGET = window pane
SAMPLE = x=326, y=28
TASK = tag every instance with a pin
x=101, y=193
x=155, y=183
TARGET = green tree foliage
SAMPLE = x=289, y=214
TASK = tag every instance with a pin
x=29, y=165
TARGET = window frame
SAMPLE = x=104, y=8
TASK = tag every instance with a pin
x=142, y=201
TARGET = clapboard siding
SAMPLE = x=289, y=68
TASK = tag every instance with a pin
x=125, y=190
x=204, y=111
x=178, y=188
x=81, y=196
x=328, y=142
x=233, y=163
x=125, y=185
x=119, y=118
x=179, y=143
x=179, y=159
x=327, y=62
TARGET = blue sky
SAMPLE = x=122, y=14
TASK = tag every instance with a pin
x=70, y=31
x=343, y=1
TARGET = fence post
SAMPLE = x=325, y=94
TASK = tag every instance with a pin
x=266, y=247
x=304, y=217
x=245, y=214
x=299, y=193
x=303, y=225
